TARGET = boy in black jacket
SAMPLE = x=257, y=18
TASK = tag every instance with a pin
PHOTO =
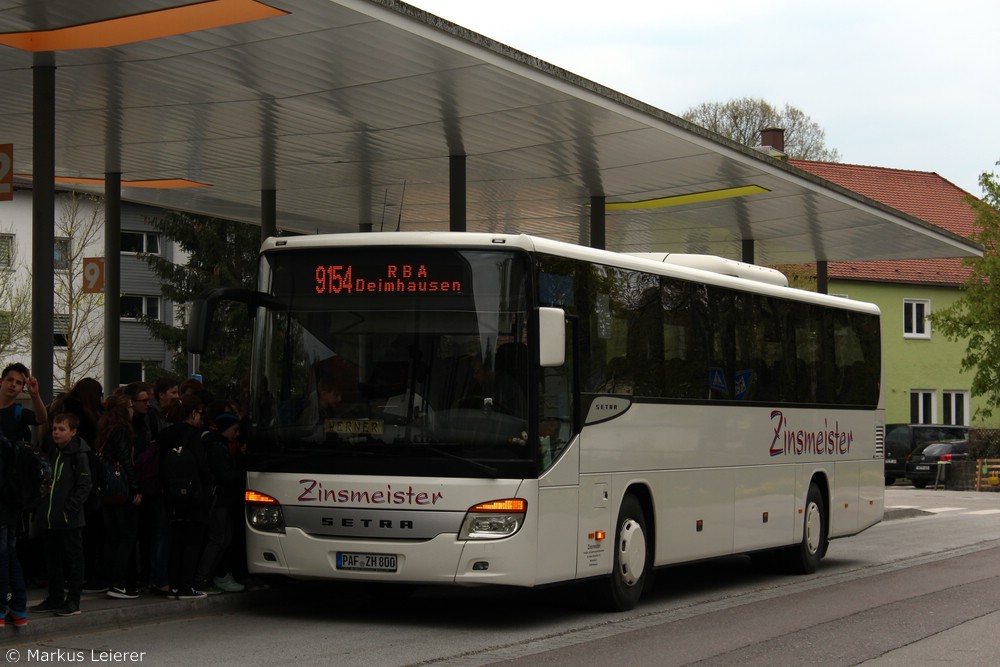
x=71, y=484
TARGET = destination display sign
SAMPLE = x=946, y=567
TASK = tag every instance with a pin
x=336, y=275
x=391, y=277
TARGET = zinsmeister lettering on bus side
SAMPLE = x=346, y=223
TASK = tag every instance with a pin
x=313, y=491
x=797, y=442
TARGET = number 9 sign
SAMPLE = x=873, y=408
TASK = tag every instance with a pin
x=93, y=274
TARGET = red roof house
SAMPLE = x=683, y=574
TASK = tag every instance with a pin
x=922, y=194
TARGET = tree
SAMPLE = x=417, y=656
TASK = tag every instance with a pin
x=975, y=316
x=742, y=120
x=222, y=253
x=79, y=316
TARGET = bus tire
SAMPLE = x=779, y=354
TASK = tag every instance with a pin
x=632, y=558
x=804, y=557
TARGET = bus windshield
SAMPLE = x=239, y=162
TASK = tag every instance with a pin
x=392, y=361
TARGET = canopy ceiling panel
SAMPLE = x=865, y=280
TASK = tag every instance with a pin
x=350, y=109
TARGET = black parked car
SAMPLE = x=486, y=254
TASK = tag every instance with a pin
x=922, y=465
x=902, y=439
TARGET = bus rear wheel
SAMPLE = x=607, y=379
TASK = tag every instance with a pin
x=632, y=558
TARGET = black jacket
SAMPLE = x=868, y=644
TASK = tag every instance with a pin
x=227, y=477
x=8, y=510
x=118, y=449
x=71, y=484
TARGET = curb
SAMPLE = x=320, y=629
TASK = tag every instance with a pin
x=101, y=613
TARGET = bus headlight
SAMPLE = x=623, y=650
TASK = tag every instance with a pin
x=494, y=520
x=264, y=513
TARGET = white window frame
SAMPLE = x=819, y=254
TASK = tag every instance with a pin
x=925, y=397
x=145, y=242
x=145, y=299
x=67, y=260
x=920, y=326
x=142, y=369
x=60, y=325
x=7, y=251
x=6, y=326
x=955, y=414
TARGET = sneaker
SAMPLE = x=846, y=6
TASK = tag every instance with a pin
x=122, y=593
x=48, y=605
x=228, y=584
x=189, y=594
x=18, y=618
x=209, y=589
x=69, y=610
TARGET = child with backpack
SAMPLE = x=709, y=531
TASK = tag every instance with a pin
x=71, y=482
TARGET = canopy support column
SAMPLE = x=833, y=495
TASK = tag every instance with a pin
x=43, y=221
x=456, y=193
x=268, y=213
x=112, y=279
x=598, y=223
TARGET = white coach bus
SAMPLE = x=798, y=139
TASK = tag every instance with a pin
x=463, y=409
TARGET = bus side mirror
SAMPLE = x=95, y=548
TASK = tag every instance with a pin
x=551, y=337
x=203, y=307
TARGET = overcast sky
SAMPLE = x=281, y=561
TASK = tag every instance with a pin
x=906, y=84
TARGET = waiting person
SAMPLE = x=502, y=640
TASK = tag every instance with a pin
x=186, y=480
x=71, y=484
x=11, y=574
x=151, y=565
x=86, y=400
x=227, y=481
x=16, y=422
x=164, y=393
x=116, y=447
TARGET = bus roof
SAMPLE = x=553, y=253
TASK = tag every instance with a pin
x=708, y=269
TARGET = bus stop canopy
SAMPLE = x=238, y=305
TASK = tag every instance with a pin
x=349, y=111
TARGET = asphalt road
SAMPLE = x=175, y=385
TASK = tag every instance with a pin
x=921, y=587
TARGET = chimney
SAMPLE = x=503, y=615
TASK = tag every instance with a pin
x=773, y=137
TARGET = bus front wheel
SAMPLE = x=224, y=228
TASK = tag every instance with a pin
x=804, y=557
x=632, y=558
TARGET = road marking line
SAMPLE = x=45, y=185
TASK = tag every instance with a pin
x=937, y=510
x=980, y=512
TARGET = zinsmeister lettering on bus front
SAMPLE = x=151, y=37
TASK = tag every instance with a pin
x=799, y=442
x=313, y=491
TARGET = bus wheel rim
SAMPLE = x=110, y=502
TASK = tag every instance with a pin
x=814, y=526
x=631, y=553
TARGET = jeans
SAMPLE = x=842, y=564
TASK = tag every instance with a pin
x=11, y=574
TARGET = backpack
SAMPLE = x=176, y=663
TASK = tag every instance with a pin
x=27, y=476
x=147, y=470
x=98, y=472
x=182, y=490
